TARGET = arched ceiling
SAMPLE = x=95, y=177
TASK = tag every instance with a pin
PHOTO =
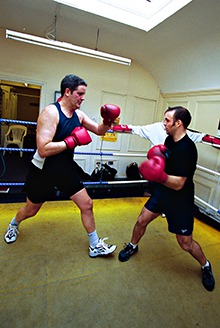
x=182, y=53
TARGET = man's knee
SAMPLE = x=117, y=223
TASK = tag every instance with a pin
x=185, y=242
x=87, y=205
x=144, y=218
x=27, y=211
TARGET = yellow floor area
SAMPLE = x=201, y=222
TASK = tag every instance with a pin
x=49, y=281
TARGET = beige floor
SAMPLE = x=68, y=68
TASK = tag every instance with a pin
x=48, y=280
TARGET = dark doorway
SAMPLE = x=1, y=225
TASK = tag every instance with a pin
x=19, y=103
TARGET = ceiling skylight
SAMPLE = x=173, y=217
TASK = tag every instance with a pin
x=141, y=14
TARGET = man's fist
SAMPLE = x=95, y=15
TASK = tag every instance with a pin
x=79, y=136
x=109, y=113
x=153, y=169
x=121, y=128
x=158, y=150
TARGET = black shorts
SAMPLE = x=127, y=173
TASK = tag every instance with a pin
x=179, y=211
x=41, y=185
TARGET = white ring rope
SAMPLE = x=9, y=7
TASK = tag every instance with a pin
x=199, y=167
x=207, y=204
x=208, y=170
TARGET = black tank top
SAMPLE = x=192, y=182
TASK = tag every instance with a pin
x=62, y=161
x=65, y=125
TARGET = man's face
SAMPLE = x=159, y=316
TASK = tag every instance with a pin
x=169, y=123
x=77, y=96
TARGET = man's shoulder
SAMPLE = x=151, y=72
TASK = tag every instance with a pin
x=188, y=140
x=48, y=112
x=50, y=107
x=189, y=144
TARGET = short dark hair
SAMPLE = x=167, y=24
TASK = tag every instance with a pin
x=71, y=82
x=181, y=113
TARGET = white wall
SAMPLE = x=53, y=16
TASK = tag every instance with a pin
x=132, y=88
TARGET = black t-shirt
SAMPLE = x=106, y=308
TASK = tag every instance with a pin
x=178, y=205
x=181, y=161
x=181, y=158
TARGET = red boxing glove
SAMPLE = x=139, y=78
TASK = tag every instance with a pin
x=157, y=150
x=153, y=169
x=214, y=141
x=121, y=128
x=79, y=136
x=109, y=113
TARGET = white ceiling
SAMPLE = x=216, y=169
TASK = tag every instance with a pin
x=142, y=14
x=182, y=53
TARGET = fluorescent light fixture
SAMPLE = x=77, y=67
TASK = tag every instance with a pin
x=64, y=46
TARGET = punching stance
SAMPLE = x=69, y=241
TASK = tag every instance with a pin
x=60, y=128
x=172, y=167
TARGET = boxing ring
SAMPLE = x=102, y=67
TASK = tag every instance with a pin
x=204, y=207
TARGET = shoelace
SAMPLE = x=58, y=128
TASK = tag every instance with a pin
x=207, y=271
x=127, y=245
x=102, y=242
x=13, y=228
x=12, y=231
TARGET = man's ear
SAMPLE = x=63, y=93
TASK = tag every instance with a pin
x=179, y=123
x=67, y=92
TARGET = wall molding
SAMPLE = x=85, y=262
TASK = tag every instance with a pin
x=192, y=93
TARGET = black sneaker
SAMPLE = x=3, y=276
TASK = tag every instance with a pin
x=127, y=252
x=208, y=279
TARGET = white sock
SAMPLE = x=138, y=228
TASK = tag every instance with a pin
x=14, y=222
x=206, y=265
x=133, y=245
x=93, y=238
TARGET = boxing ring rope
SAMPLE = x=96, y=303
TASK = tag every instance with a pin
x=76, y=153
x=208, y=170
x=199, y=167
x=80, y=153
x=9, y=184
x=17, y=149
x=216, y=174
x=17, y=121
x=207, y=204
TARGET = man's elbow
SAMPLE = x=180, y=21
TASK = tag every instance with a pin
x=42, y=153
x=180, y=184
x=177, y=188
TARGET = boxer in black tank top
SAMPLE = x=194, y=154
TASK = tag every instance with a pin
x=60, y=128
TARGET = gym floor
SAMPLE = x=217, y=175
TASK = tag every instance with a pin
x=49, y=281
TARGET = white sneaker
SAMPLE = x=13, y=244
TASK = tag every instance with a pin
x=101, y=249
x=11, y=234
